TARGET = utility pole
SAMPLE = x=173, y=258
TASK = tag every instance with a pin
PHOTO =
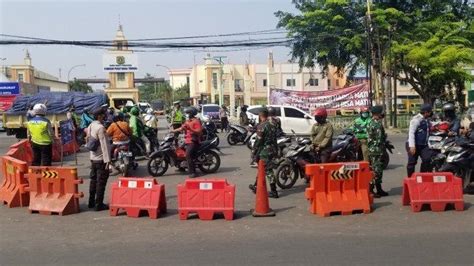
x=220, y=60
x=369, y=53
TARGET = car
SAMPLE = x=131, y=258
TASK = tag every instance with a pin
x=292, y=118
x=144, y=106
x=211, y=111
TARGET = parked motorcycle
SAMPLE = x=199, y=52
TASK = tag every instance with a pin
x=240, y=134
x=209, y=130
x=459, y=160
x=207, y=159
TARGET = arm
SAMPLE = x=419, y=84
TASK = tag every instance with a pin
x=327, y=136
x=104, y=144
x=414, y=123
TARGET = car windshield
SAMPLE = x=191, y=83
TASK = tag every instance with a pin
x=256, y=110
x=210, y=109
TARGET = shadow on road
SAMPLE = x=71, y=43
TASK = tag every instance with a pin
x=296, y=189
x=381, y=204
x=394, y=166
x=395, y=191
x=228, y=169
x=283, y=209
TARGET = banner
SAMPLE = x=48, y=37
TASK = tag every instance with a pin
x=349, y=98
x=120, y=63
x=65, y=129
x=9, y=88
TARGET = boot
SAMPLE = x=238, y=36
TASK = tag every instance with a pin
x=91, y=201
x=273, y=193
x=253, y=187
x=372, y=192
x=380, y=191
x=101, y=207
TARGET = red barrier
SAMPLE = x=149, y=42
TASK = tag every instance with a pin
x=54, y=190
x=205, y=197
x=435, y=189
x=137, y=194
x=13, y=189
x=22, y=151
x=339, y=188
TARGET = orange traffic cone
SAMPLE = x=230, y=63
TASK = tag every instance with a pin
x=262, y=208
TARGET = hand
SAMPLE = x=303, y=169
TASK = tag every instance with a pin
x=450, y=134
x=316, y=148
x=412, y=150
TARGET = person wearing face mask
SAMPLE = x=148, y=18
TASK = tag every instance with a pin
x=321, y=134
x=417, y=144
x=376, y=144
x=360, y=131
x=193, y=131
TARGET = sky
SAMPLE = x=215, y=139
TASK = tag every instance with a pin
x=98, y=20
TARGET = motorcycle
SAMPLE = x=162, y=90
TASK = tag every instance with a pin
x=459, y=160
x=209, y=130
x=123, y=159
x=241, y=134
x=207, y=160
x=138, y=147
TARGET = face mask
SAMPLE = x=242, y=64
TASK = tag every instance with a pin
x=365, y=115
x=187, y=117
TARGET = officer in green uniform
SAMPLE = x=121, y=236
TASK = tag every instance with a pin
x=376, y=145
x=41, y=135
x=177, y=116
x=360, y=131
x=265, y=149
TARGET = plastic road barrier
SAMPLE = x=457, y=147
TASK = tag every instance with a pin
x=206, y=197
x=262, y=206
x=54, y=190
x=22, y=151
x=13, y=188
x=135, y=195
x=339, y=188
x=435, y=189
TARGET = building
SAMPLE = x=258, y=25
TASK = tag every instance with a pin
x=121, y=64
x=248, y=83
x=32, y=80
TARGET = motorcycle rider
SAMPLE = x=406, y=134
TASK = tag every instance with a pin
x=321, y=134
x=193, y=130
x=150, y=120
x=360, y=131
x=119, y=131
x=376, y=145
x=275, y=120
x=265, y=149
x=244, y=119
x=417, y=143
x=449, y=111
x=138, y=128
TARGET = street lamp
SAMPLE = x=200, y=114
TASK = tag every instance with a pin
x=69, y=72
x=171, y=80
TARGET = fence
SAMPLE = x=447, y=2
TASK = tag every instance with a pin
x=342, y=122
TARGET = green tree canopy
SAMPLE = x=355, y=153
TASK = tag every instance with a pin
x=76, y=85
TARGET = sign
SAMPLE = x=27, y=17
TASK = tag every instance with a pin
x=343, y=173
x=120, y=63
x=9, y=88
x=205, y=186
x=350, y=98
x=65, y=129
x=49, y=174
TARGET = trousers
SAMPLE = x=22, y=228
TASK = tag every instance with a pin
x=99, y=176
x=190, y=156
x=424, y=153
x=42, y=154
x=365, y=149
x=377, y=167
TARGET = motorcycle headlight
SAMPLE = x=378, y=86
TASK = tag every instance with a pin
x=453, y=158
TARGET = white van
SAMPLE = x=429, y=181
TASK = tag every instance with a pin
x=292, y=118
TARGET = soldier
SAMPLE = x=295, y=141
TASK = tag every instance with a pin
x=376, y=145
x=360, y=131
x=265, y=149
x=272, y=113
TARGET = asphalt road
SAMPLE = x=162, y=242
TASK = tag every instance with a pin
x=391, y=234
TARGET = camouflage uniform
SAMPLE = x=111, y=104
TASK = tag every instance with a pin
x=275, y=121
x=376, y=146
x=266, y=148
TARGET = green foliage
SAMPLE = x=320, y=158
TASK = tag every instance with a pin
x=181, y=93
x=155, y=91
x=76, y=85
x=428, y=42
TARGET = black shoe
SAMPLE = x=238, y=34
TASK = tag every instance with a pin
x=380, y=191
x=273, y=194
x=101, y=207
x=372, y=192
x=91, y=202
x=253, y=188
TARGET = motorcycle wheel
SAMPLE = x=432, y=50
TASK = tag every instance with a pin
x=465, y=175
x=218, y=141
x=232, y=139
x=286, y=175
x=125, y=171
x=385, y=159
x=157, y=166
x=210, y=167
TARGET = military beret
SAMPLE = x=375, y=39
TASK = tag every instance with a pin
x=378, y=109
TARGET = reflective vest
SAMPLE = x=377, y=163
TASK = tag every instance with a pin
x=178, y=117
x=38, y=127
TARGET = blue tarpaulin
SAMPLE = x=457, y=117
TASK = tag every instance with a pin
x=59, y=102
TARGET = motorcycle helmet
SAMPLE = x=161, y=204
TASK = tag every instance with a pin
x=205, y=119
x=135, y=111
x=449, y=107
x=149, y=111
x=190, y=112
x=320, y=115
x=40, y=109
x=271, y=111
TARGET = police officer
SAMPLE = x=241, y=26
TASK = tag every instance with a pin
x=449, y=111
x=321, y=134
x=417, y=144
x=376, y=145
x=275, y=120
x=177, y=116
x=100, y=159
x=360, y=131
x=265, y=149
x=40, y=133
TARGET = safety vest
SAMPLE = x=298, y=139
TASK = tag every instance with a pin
x=178, y=117
x=39, y=130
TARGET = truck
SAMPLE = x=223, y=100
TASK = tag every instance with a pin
x=58, y=103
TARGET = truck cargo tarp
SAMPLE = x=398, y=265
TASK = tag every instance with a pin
x=58, y=102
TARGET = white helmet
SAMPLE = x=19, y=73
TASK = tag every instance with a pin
x=149, y=111
x=40, y=109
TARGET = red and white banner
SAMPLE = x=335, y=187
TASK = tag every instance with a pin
x=349, y=98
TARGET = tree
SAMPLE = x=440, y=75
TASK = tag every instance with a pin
x=182, y=92
x=155, y=91
x=76, y=85
x=428, y=42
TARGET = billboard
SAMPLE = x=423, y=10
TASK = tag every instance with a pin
x=120, y=63
x=9, y=88
x=351, y=98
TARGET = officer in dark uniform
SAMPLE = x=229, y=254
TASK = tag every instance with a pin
x=417, y=144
